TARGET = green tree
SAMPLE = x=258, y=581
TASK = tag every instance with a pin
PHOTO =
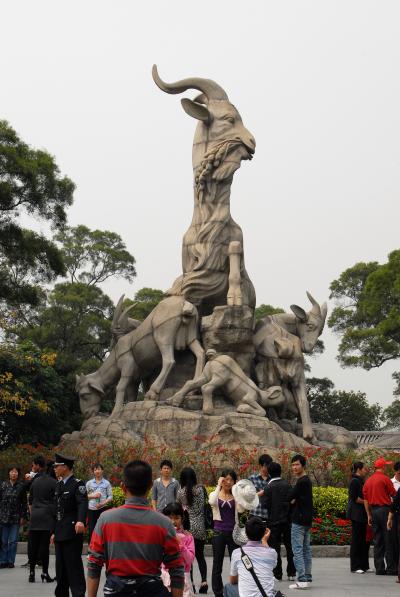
x=367, y=316
x=76, y=325
x=30, y=184
x=264, y=310
x=338, y=407
x=391, y=414
x=93, y=256
x=35, y=405
x=144, y=302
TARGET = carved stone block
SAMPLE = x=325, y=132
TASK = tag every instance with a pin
x=229, y=330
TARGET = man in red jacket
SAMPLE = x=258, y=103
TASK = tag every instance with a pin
x=378, y=492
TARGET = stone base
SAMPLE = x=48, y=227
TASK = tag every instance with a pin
x=332, y=436
x=177, y=428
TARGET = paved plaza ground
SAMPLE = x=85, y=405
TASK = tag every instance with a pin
x=331, y=579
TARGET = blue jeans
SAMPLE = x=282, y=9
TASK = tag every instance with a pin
x=231, y=590
x=302, y=552
x=9, y=540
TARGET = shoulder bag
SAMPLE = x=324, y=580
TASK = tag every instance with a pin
x=207, y=511
x=248, y=564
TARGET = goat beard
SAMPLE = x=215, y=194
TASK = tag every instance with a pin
x=220, y=162
x=231, y=163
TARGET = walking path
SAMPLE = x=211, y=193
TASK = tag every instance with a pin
x=331, y=578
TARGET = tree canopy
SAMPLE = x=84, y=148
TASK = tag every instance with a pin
x=30, y=183
x=347, y=409
x=75, y=325
x=93, y=256
x=367, y=316
x=35, y=400
x=264, y=310
x=144, y=302
x=391, y=414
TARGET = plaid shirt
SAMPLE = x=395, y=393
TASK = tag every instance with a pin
x=259, y=483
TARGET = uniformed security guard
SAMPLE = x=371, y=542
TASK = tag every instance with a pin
x=71, y=512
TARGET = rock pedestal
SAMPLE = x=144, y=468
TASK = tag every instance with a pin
x=177, y=428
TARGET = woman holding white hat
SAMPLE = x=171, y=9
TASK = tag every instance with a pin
x=227, y=501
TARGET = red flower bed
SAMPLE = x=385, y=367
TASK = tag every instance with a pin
x=330, y=531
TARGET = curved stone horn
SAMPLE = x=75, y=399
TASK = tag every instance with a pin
x=316, y=309
x=117, y=311
x=210, y=88
x=123, y=319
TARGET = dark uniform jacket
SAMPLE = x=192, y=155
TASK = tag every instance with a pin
x=41, y=500
x=276, y=500
x=71, y=507
x=356, y=511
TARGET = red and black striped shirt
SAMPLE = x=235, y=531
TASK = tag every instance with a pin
x=133, y=540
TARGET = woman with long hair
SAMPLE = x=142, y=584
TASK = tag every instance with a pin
x=224, y=509
x=193, y=498
x=13, y=512
x=359, y=547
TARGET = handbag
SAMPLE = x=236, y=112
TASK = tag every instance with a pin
x=248, y=564
x=239, y=533
x=207, y=511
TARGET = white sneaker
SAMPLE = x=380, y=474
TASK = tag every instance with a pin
x=360, y=571
x=291, y=578
x=300, y=585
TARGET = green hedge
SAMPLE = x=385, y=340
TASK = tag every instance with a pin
x=327, y=500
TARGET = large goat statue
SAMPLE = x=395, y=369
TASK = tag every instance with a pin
x=212, y=252
x=280, y=341
x=171, y=325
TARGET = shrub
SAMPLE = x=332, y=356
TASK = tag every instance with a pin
x=330, y=501
x=118, y=497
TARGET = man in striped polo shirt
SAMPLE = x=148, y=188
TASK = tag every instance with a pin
x=133, y=541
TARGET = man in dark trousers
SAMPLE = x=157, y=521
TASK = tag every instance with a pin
x=301, y=498
x=276, y=498
x=378, y=492
x=71, y=512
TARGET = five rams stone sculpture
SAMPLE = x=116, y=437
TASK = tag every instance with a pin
x=214, y=275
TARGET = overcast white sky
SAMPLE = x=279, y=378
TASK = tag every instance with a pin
x=316, y=82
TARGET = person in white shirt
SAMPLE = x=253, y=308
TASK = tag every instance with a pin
x=396, y=479
x=99, y=493
x=263, y=559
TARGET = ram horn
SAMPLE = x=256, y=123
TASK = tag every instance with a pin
x=210, y=88
x=117, y=312
x=316, y=309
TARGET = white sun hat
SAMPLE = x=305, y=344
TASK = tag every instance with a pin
x=245, y=494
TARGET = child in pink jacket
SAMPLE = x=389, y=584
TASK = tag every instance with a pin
x=179, y=519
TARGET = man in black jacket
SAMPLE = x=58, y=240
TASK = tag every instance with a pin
x=276, y=498
x=301, y=498
x=71, y=512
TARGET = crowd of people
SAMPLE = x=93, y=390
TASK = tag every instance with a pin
x=149, y=549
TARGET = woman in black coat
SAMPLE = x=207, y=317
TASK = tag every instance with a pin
x=42, y=520
x=359, y=547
